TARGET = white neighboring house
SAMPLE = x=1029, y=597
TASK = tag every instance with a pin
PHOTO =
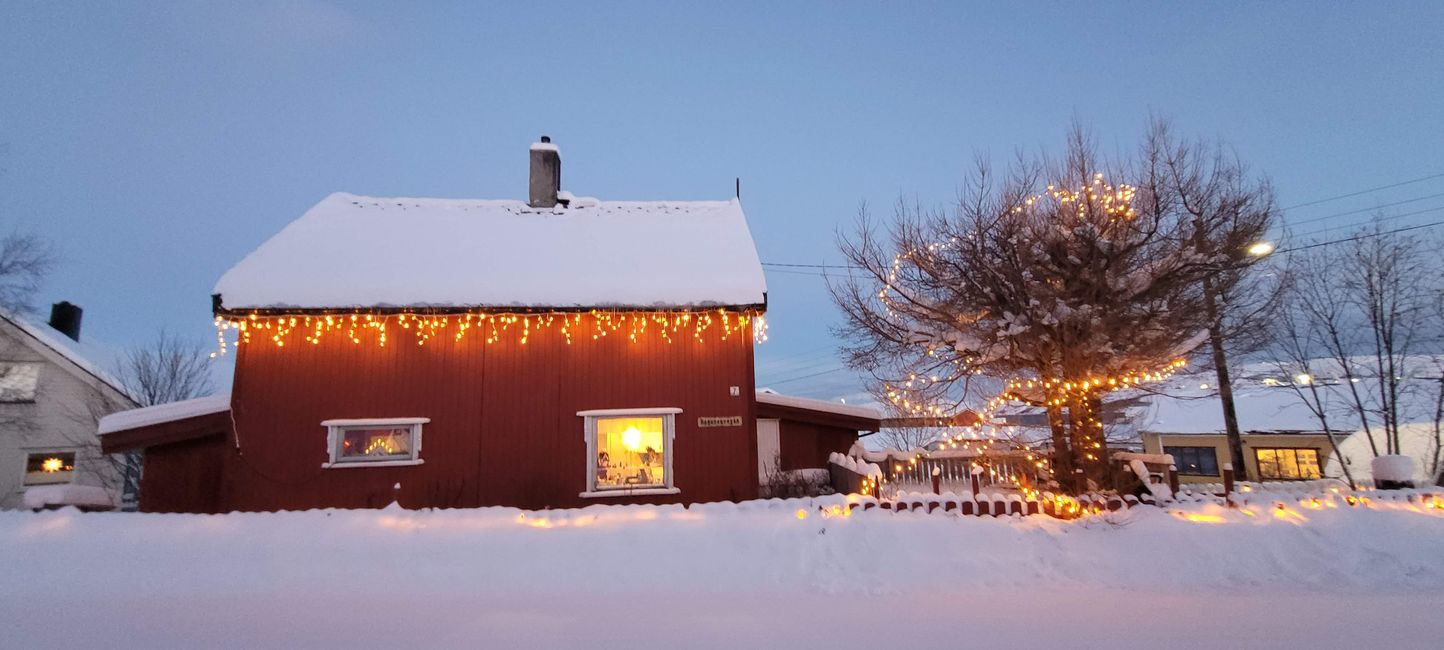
x=52, y=394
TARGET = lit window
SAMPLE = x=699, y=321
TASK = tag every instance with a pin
x=48, y=467
x=374, y=442
x=18, y=381
x=629, y=451
x=1287, y=464
x=1194, y=461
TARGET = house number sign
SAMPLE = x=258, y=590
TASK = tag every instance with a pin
x=732, y=421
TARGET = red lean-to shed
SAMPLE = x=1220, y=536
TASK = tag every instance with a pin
x=455, y=353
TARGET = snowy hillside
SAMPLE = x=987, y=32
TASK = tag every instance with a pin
x=755, y=575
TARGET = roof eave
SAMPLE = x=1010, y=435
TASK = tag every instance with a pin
x=218, y=308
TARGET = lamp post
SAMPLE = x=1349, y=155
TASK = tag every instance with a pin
x=1220, y=360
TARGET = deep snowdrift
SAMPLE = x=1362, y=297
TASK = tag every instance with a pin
x=756, y=575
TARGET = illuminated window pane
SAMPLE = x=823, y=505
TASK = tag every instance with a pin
x=630, y=452
x=1268, y=463
x=1288, y=464
x=1309, y=464
x=376, y=443
x=49, y=467
x=380, y=442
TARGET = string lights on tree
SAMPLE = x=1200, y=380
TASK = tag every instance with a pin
x=1049, y=285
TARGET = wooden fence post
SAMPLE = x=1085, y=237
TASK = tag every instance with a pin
x=937, y=481
x=1228, y=484
x=1173, y=480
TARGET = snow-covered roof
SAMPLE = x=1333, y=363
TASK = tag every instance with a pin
x=160, y=413
x=354, y=251
x=765, y=396
x=82, y=355
x=69, y=494
x=1261, y=409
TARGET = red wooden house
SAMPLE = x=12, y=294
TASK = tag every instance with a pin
x=556, y=352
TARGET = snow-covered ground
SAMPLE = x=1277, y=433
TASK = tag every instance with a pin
x=756, y=575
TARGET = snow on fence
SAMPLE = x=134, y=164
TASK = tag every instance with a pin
x=872, y=486
x=996, y=504
x=955, y=470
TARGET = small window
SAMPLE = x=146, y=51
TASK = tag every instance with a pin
x=18, y=381
x=1194, y=461
x=49, y=467
x=629, y=451
x=374, y=442
x=1287, y=464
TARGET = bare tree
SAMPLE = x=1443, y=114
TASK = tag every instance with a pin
x=25, y=259
x=168, y=369
x=1364, y=306
x=1211, y=184
x=1384, y=280
x=1295, y=353
x=1319, y=302
x=1070, y=284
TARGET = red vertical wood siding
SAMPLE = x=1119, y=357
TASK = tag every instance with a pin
x=183, y=476
x=503, y=430
x=806, y=445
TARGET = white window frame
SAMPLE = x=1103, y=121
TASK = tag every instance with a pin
x=28, y=372
x=669, y=433
x=49, y=451
x=335, y=430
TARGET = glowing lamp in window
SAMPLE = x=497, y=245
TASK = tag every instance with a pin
x=630, y=451
x=49, y=467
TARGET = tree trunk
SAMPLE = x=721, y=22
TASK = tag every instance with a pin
x=1225, y=382
x=1062, y=452
x=1090, y=454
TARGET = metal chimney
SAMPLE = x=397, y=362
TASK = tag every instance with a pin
x=546, y=174
x=65, y=318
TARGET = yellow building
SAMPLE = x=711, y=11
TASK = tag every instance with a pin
x=1268, y=455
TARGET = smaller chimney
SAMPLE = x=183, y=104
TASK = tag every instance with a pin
x=65, y=318
x=546, y=174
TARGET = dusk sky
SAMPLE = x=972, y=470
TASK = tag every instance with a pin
x=156, y=144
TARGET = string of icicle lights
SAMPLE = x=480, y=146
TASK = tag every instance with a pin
x=489, y=327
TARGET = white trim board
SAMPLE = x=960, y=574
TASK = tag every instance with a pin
x=656, y=410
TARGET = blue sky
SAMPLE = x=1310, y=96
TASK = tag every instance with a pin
x=158, y=143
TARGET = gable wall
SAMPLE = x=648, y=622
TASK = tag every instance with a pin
x=63, y=417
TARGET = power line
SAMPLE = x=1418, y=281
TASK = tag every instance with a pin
x=1360, y=237
x=815, y=374
x=1377, y=207
x=812, y=266
x=792, y=265
x=1372, y=189
x=1391, y=217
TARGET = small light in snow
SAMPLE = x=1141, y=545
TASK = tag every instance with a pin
x=1203, y=386
x=1303, y=379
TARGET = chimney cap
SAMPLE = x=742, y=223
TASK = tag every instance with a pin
x=546, y=138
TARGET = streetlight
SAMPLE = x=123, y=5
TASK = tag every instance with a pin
x=1260, y=249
